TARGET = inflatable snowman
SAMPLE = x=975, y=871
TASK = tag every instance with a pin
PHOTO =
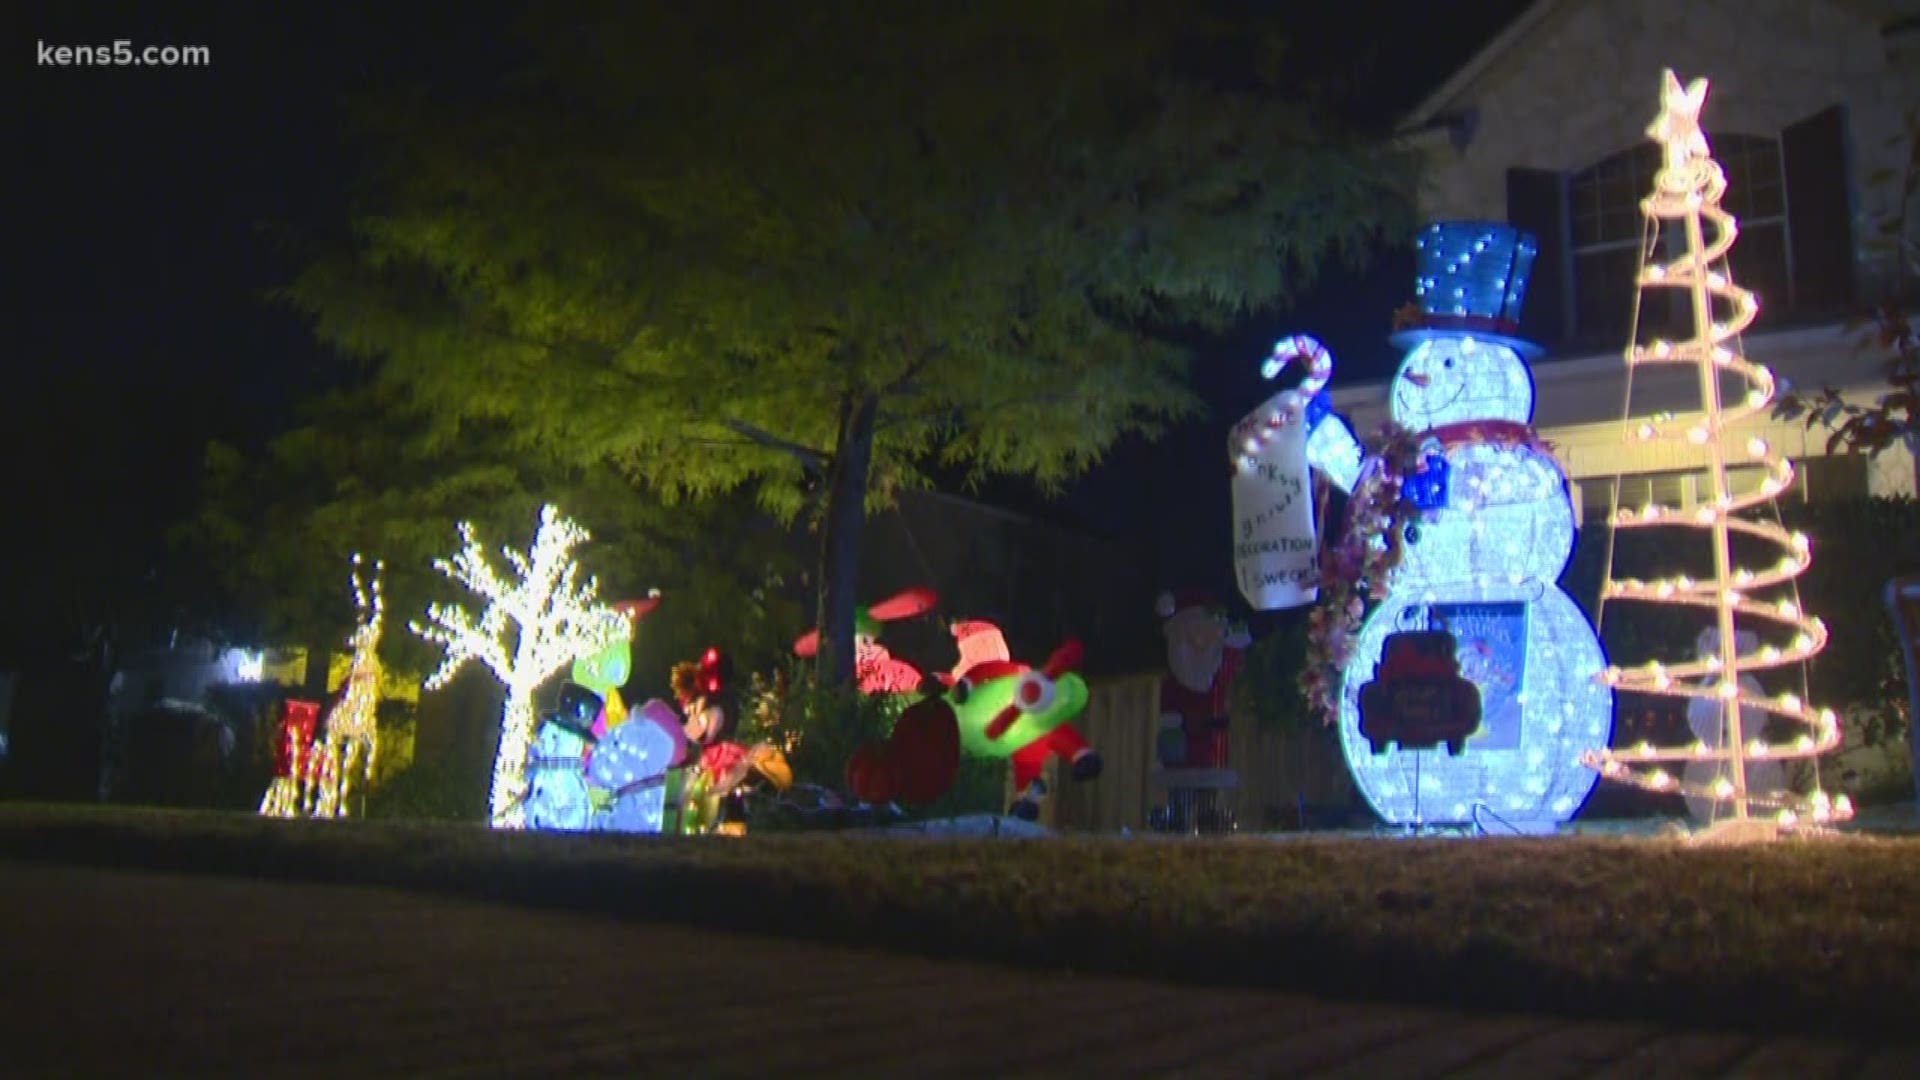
x=1493, y=532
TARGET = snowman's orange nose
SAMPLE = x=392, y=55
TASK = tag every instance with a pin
x=1417, y=378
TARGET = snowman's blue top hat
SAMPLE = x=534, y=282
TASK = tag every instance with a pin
x=1472, y=281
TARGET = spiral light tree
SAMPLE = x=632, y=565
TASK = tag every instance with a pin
x=1687, y=191
x=350, y=738
x=554, y=620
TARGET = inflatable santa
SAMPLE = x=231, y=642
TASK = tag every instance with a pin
x=1204, y=652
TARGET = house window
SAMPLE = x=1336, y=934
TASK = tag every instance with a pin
x=1608, y=232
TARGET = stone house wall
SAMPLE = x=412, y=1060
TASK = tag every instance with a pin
x=1582, y=84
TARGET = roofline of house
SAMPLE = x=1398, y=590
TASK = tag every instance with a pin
x=1430, y=112
x=1431, y=107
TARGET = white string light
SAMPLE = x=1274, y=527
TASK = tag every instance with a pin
x=1492, y=535
x=1688, y=189
x=349, y=741
x=554, y=619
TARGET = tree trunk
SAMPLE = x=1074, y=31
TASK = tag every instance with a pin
x=314, y=685
x=840, y=541
x=506, y=803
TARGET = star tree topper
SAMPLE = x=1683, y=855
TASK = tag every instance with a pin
x=1677, y=127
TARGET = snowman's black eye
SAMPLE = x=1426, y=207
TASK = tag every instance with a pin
x=1449, y=362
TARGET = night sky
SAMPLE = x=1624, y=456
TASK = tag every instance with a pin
x=148, y=233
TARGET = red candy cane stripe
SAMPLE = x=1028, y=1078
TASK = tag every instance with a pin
x=1251, y=434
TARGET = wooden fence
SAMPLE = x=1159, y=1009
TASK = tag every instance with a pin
x=1278, y=771
x=1903, y=604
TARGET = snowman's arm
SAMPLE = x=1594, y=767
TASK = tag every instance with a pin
x=1331, y=445
x=1333, y=449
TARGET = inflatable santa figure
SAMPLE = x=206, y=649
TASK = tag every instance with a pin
x=1204, y=652
x=992, y=706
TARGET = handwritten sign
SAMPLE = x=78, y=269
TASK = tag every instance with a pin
x=1274, y=554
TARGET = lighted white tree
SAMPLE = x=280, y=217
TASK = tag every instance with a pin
x=1687, y=191
x=552, y=618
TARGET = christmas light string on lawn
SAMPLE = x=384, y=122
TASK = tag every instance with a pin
x=1688, y=189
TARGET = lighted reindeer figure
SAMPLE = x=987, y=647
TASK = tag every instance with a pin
x=349, y=741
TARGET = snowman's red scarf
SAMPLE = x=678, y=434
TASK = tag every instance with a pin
x=1497, y=432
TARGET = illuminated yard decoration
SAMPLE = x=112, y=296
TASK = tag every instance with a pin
x=875, y=670
x=994, y=707
x=1275, y=545
x=298, y=721
x=629, y=767
x=349, y=741
x=1488, y=530
x=1331, y=446
x=552, y=619
x=557, y=788
x=1687, y=191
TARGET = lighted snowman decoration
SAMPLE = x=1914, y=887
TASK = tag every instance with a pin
x=1494, y=531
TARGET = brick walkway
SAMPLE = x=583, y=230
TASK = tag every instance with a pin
x=105, y=973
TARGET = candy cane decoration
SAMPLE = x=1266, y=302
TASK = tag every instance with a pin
x=1250, y=435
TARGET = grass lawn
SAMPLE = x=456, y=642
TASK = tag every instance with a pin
x=1820, y=935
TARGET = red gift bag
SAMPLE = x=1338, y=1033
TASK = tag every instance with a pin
x=298, y=722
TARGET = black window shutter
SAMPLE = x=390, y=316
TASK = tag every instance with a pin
x=1537, y=203
x=1819, y=210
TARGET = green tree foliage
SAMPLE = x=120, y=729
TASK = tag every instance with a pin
x=1269, y=681
x=814, y=251
x=274, y=532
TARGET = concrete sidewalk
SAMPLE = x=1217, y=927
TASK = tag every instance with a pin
x=108, y=973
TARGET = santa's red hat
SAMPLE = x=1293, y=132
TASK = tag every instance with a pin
x=983, y=653
x=1176, y=601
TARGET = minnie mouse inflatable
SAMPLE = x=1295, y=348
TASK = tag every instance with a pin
x=713, y=796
